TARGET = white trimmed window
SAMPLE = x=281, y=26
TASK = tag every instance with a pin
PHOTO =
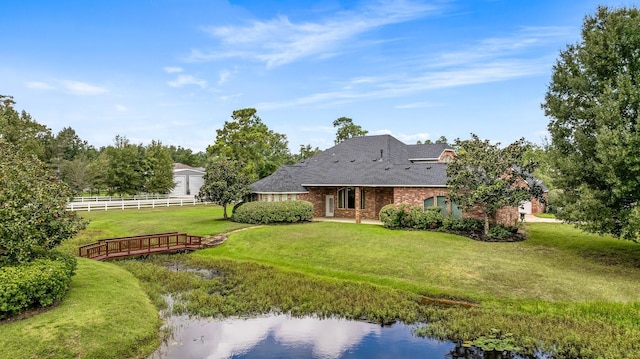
x=347, y=198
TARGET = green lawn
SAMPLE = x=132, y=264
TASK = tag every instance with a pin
x=558, y=263
x=104, y=315
x=196, y=220
x=559, y=289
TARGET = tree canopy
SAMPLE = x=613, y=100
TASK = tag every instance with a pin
x=225, y=182
x=593, y=101
x=248, y=140
x=489, y=177
x=32, y=206
x=21, y=130
x=347, y=129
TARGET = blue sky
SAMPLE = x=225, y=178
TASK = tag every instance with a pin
x=175, y=70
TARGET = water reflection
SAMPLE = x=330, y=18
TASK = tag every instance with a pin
x=282, y=336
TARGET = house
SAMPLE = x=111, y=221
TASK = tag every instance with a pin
x=357, y=177
x=188, y=180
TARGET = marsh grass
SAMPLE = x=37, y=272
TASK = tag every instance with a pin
x=246, y=289
x=104, y=315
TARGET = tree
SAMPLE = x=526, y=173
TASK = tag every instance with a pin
x=306, y=151
x=487, y=177
x=77, y=174
x=247, y=139
x=593, y=101
x=224, y=182
x=158, y=169
x=32, y=206
x=347, y=129
x=21, y=130
x=441, y=139
x=186, y=156
x=124, y=171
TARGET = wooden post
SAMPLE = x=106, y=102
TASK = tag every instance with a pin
x=357, y=205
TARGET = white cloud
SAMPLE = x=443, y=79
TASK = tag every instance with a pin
x=82, y=88
x=183, y=80
x=223, y=76
x=172, y=69
x=422, y=104
x=408, y=139
x=281, y=41
x=38, y=85
x=120, y=108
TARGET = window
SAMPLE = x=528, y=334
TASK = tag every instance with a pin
x=347, y=198
x=441, y=201
x=428, y=203
x=293, y=197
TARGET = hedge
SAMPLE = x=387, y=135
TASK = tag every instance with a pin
x=404, y=216
x=39, y=283
x=274, y=212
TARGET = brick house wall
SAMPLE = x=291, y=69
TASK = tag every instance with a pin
x=538, y=206
x=378, y=197
x=374, y=198
x=414, y=196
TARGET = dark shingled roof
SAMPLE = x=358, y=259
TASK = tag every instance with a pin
x=377, y=161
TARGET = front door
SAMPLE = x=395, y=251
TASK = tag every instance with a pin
x=329, y=206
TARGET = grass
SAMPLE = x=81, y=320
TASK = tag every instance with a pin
x=545, y=267
x=195, y=220
x=545, y=215
x=104, y=315
x=560, y=290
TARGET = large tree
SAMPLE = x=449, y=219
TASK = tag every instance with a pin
x=347, y=129
x=186, y=156
x=124, y=167
x=158, y=169
x=247, y=139
x=225, y=182
x=488, y=177
x=593, y=101
x=19, y=129
x=32, y=206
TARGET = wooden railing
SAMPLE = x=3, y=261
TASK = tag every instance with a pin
x=139, y=245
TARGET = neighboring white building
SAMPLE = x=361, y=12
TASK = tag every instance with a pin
x=188, y=180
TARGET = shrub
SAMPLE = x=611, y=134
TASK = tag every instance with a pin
x=455, y=224
x=499, y=232
x=395, y=217
x=274, y=212
x=39, y=283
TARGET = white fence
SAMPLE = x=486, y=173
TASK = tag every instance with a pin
x=112, y=198
x=105, y=204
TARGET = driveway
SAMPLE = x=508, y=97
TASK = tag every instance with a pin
x=530, y=218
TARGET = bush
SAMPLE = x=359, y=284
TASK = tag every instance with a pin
x=39, y=283
x=405, y=216
x=499, y=232
x=274, y=212
x=455, y=224
x=395, y=217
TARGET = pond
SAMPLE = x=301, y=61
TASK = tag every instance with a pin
x=282, y=336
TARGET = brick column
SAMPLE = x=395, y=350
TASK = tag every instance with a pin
x=357, y=205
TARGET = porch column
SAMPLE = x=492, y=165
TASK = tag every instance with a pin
x=357, y=205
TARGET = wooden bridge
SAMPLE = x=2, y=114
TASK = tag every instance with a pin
x=140, y=245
